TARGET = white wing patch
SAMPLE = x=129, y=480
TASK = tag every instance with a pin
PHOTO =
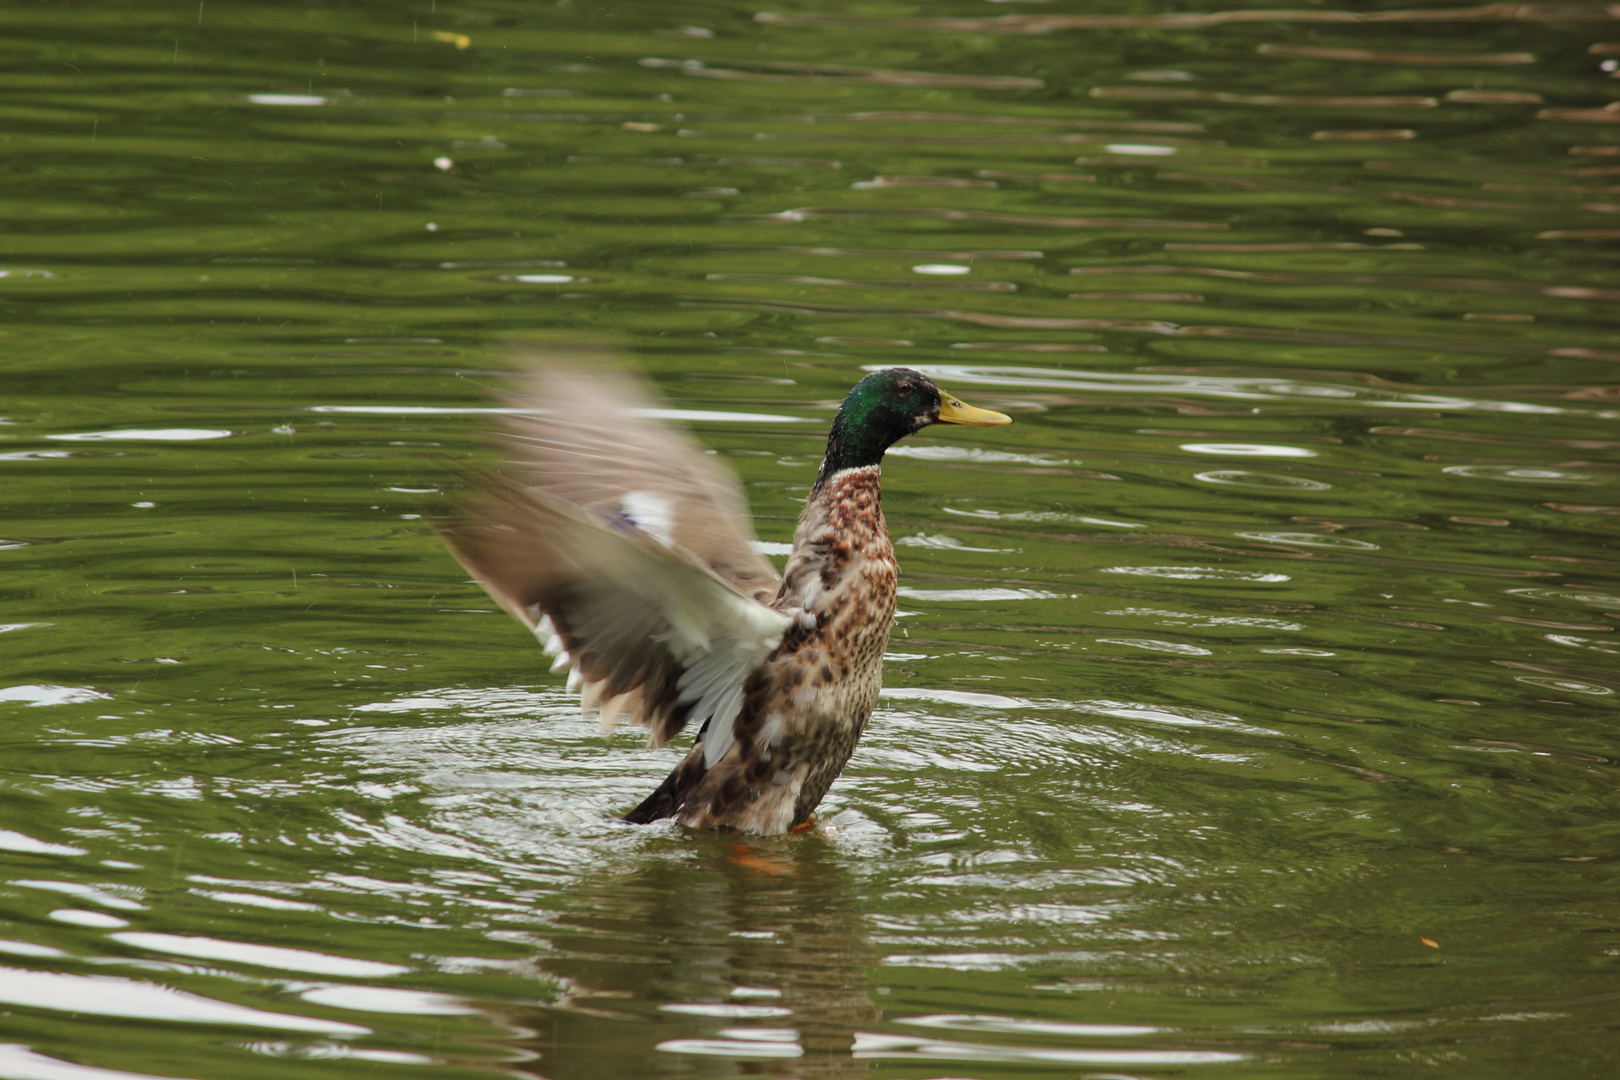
x=713, y=682
x=652, y=513
x=630, y=596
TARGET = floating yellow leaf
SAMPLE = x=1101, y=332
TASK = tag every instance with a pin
x=1430, y=942
x=460, y=41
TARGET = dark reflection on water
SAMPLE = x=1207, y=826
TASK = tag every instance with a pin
x=1250, y=711
x=727, y=951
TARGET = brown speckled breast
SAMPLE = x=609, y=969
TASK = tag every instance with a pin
x=805, y=707
x=838, y=666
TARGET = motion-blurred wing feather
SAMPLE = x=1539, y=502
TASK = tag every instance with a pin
x=587, y=438
x=627, y=614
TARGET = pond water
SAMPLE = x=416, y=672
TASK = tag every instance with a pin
x=1252, y=708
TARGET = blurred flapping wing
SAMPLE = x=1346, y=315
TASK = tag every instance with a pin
x=588, y=438
x=626, y=552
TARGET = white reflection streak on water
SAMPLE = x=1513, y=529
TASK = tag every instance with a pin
x=973, y=454
x=1195, y=573
x=271, y=956
x=1264, y=481
x=115, y=996
x=97, y=920
x=870, y=1045
x=51, y=695
x=956, y=697
x=1040, y=515
x=145, y=435
x=1239, y=388
x=11, y=840
x=384, y=999
x=28, y=948
x=740, y=1043
x=726, y=1010
x=19, y=1062
x=1153, y=645
x=1171, y=715
x=976, y=595
x=1312, y=540
x=254, y=900
x=286, y=99
x=1248, y=450
x=1018, y=1026
x=83, y=892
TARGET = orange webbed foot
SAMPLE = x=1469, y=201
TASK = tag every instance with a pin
x=744, y=856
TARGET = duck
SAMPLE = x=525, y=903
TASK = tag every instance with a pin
x=629, y=553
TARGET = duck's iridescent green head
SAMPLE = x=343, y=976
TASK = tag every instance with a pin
x=887, y=406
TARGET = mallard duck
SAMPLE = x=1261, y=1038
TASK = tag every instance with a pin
x=628, y=553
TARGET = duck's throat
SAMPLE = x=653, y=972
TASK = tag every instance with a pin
x=847, y=540
x=852, y=446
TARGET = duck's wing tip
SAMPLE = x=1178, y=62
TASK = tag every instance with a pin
x=582, y=429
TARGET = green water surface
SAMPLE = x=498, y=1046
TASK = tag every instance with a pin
x=1252, y=708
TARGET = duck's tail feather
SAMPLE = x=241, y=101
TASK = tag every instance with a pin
x=671, y=796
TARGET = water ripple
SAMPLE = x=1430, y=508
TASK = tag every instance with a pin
x=271, y=956
x=1262, y=481
x=871, y=1046
x=113, y=996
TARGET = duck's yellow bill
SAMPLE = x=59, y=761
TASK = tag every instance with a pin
x=954, y=411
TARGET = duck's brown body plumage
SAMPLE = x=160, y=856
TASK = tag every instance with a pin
x=805, y=707
x=627, y=552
